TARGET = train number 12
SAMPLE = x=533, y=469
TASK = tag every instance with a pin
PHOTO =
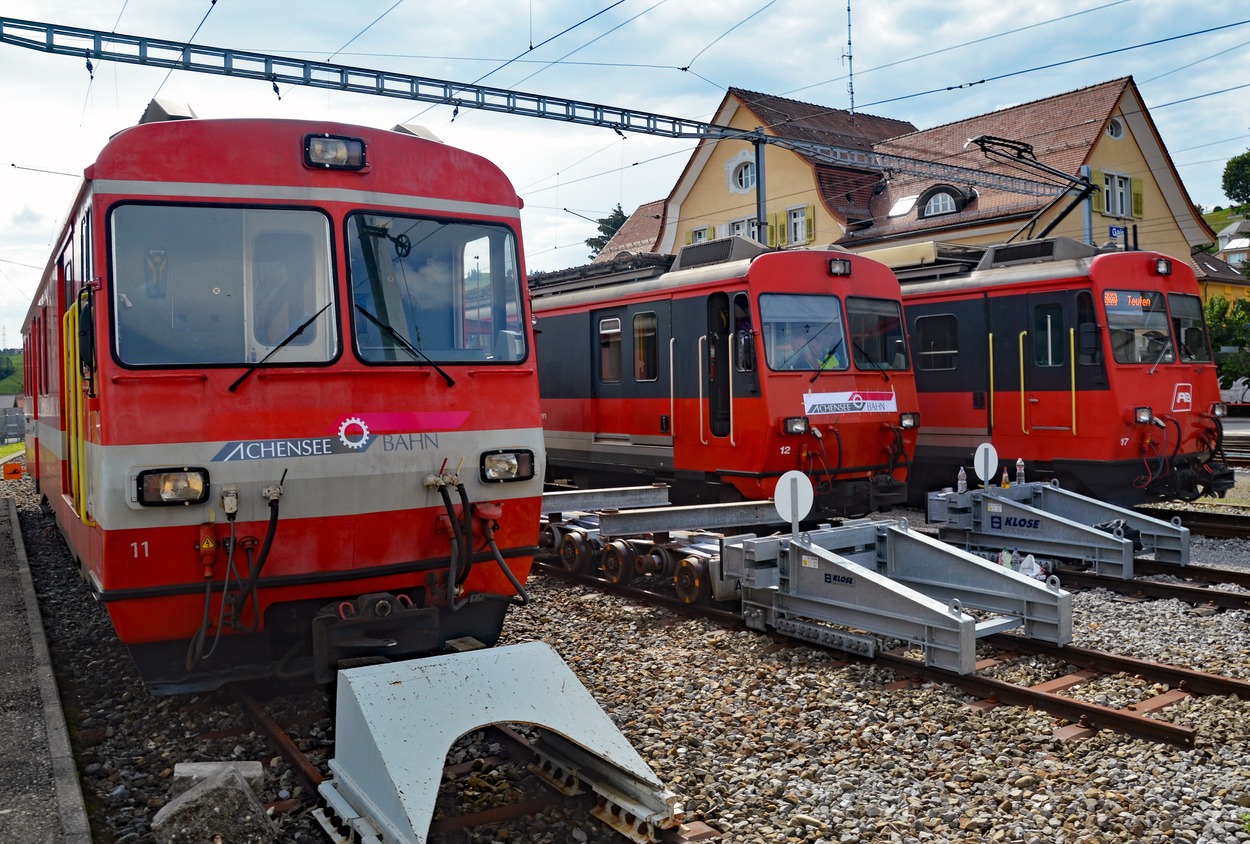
x=785, y=449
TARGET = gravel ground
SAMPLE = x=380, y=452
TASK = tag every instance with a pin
x=767, y=743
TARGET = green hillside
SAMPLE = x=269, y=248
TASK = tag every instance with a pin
x=11, y=368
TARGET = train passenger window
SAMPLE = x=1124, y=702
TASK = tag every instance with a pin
x=442, y=291
x=802, y=331
x=876, y=330
x=197, y=285
x=937, y=340
x=646, y=360
x=1137, y=321
x=610, y=350
x=1049, y=340
x=1189, y=327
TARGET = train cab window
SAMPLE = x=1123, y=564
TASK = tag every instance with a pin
x=610, y=350
x=431, y=290
x=1049, y=339
x=937, y=342
x=1189, y=328
x=802, y=332
x=202, y=285
x=1137, y=321
x=646, y=361
x=876, y=331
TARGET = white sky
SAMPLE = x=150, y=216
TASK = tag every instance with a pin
x=57, y=117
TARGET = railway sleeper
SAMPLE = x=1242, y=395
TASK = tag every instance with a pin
x=1050, y=522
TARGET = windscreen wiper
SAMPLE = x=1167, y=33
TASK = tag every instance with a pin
x=297, y=332
x=404, y=344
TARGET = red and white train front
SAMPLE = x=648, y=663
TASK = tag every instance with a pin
x=283, y=399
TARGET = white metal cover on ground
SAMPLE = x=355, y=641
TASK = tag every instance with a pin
x=396, y=722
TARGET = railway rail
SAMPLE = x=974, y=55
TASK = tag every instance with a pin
x=1203, y=522
x=1082, y=716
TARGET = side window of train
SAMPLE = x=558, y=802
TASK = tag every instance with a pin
x=1188, y=327
x=610, y=350
x=937, y=342
x=1088, y=341
x=646, y=361
x=744, y=336
x=1049, y=339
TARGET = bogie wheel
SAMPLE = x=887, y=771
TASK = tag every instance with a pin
x=618, y=562
x=574, y=552
x=691, y=580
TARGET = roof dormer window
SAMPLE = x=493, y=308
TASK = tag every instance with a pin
x=943, y=199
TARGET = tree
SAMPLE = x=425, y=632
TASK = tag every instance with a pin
x=1236, y=181
x=1229, y=324
x=608, y=226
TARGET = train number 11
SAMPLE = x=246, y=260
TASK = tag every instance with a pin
x=136, y=546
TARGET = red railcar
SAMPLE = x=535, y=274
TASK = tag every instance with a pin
x=282, y=398
x=725, y=370
x=1093, y=367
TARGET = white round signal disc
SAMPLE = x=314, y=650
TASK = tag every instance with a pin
x=794, y=496
x=985, y=462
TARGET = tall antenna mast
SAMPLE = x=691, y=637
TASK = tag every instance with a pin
x=850, y=68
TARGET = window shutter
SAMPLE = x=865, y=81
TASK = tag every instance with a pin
x=711, y=233
x=1097, y=197
x=772, y=230
x=809, y=224
x=783, y=228
x=1139, y=200
x=689, y=236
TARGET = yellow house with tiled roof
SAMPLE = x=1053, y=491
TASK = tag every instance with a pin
x=1103, y=131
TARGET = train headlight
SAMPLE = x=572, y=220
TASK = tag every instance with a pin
x=333, y=152
x=507, y=465
x=910, y=420
x=1219, y=409
x=1163, y=266
x=172, y=487
x=795, y=425
x=1143, y=415
x=839, y=266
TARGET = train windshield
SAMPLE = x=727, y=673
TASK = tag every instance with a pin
x=876, y=330
x=802, y=331
x=1138, y=324
x=1188, y=327
x=196, y=285
x=422, y=289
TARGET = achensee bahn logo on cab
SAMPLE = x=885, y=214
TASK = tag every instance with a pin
x=860, y=401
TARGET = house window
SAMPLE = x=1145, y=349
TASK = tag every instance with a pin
x=1115, y=129
x=748, y=227
x=940, y=203
x=799, y=225
x=903, y=206
x=937, y=341
x=744, y=176
x=1118, y=195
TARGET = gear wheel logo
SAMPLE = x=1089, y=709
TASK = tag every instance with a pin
x=354, y=433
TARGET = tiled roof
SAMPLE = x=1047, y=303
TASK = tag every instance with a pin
x=1061, y=129
x=1211, y=268
x=637, y=234
x=819, y=124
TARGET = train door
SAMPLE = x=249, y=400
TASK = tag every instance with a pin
x=728, y=357
x=632, y=398
x=1045, y=351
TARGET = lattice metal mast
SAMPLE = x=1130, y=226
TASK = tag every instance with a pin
x=94, y=44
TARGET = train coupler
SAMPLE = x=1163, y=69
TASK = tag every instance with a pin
x=375, y=625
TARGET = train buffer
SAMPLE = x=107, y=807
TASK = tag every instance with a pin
x=846, y=586
x=396, y=722
x=1053, y=523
